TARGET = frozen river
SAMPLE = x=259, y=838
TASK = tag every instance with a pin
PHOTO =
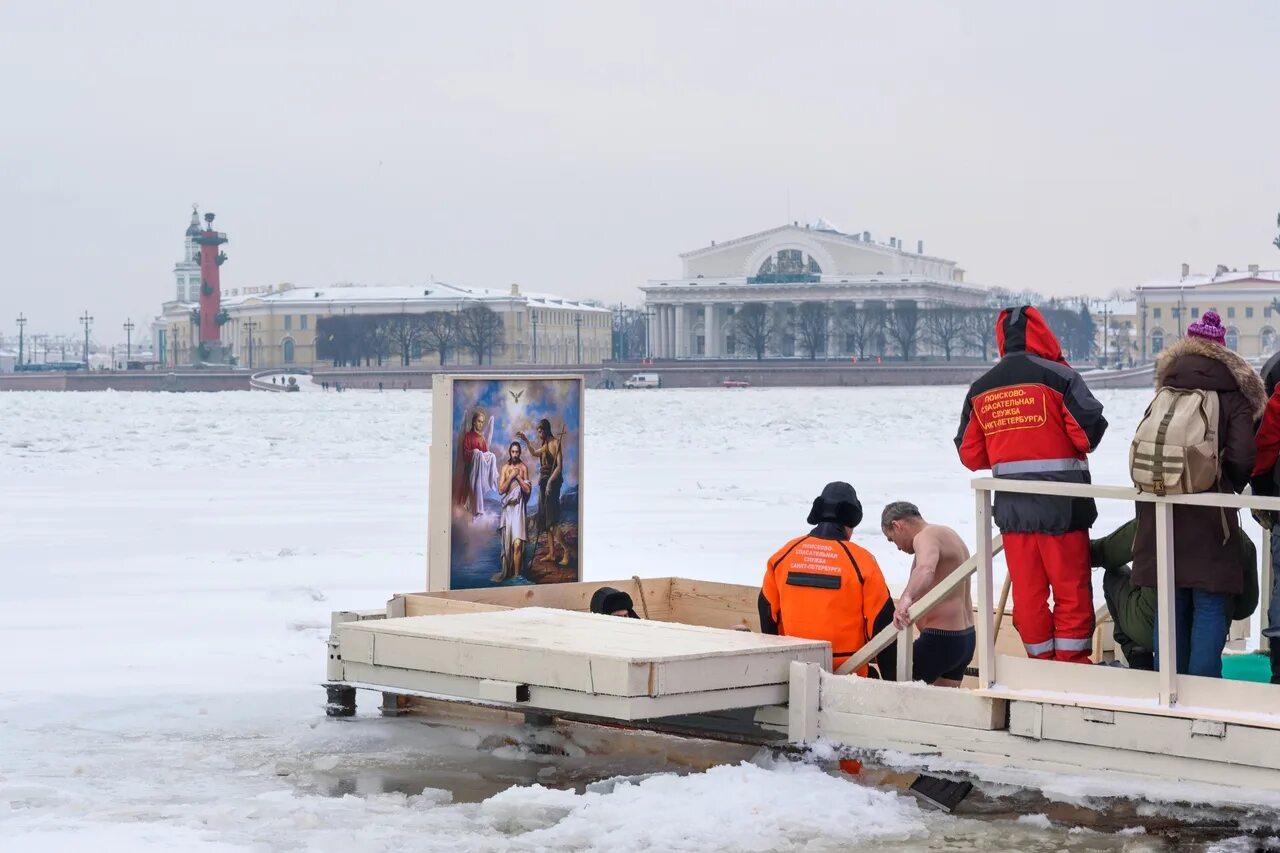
x=170, y=562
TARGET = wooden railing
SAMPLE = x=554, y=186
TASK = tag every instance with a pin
x=988, y=545
x=927, y=602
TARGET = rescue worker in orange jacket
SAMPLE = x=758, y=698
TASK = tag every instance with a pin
x=1031, y=417
x=821, y=586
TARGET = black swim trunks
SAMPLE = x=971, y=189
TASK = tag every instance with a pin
x=942, y=654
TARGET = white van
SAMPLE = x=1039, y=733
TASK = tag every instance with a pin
x=643, y=380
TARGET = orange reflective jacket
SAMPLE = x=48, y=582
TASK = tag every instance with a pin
x=825, y=589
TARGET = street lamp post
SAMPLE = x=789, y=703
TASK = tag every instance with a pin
x=250, y=326
x=128, y=341
x=577, y=321
x=87, y=322
x=1105, y=328
x=533, y=317
x=22, y=324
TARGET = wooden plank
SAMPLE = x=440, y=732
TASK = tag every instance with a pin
x=1137, y=691
x=802, y=710
x=563, y=596
x=1164, y=604
x=718, y=605
x=986, y=551
x=1132, y=732
x=1127, y=494
x=1009, y=754
x=927, y=602
x=950, y=706
x=432, y=605
x=460, y=688
x=440, y=457
x=689, y=676
x=603, y=636
x=578, y=651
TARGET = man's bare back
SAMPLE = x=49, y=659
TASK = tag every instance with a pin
x=938, y=551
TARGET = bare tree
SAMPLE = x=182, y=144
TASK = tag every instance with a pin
x=404, y=332
x=374, y=343
x=440, y=333
x=980, y=330
x=944, y=328
x=480, y=329
x=751, y=324
x=811, y=328
x=902, y=325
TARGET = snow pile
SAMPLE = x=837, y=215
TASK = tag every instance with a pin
x=730, y=808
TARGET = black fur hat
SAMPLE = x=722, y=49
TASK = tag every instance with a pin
x=838, y=502
x=606, y=599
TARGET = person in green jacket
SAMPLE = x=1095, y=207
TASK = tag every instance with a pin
x=1133, y=608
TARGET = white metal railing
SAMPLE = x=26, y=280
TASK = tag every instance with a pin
x=1168, y=676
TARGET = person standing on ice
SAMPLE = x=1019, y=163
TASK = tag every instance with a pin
x=1206, y=551
x=1031, y=417
x=821, y=586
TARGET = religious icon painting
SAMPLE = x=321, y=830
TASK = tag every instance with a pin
x=513, y=452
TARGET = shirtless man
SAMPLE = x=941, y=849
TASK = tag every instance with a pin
x=947, y=640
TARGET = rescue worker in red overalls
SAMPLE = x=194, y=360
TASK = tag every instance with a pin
x=1031, y=417
x=821, y=586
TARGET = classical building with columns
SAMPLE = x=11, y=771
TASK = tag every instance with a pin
x=782, y=269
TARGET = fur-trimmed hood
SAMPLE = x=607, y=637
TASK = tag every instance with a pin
x=1246, y=378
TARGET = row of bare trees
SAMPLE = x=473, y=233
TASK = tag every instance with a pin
x=377, y=339
x=899, y=328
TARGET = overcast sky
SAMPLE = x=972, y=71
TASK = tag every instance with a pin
x=578, y=147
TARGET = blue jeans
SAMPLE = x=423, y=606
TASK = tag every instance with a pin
x=1272, y=628
x=1200, y=631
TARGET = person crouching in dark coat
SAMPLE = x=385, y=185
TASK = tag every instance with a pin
x=1206, y=552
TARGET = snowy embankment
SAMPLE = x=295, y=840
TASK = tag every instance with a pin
x=170, y=562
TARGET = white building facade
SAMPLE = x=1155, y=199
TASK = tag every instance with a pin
x=1248, y=301
x=693, y=316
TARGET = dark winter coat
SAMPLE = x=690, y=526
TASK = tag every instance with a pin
x=1031, y=417
x=1202, y=560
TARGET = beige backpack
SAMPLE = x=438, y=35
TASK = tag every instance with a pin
x=1175, y=451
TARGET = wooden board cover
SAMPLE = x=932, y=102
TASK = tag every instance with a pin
x=578, y=651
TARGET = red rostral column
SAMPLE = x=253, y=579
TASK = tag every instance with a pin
x=210, y=289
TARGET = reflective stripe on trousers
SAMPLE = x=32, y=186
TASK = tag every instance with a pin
x=1036, y=649
x=1038, y=466
x=1069, y=645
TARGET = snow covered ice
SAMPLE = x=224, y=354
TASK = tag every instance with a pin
x=170, y=563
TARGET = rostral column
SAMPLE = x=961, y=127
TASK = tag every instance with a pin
x=211, y=258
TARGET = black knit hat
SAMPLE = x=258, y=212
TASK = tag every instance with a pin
x=606, y=599
x=838, y=502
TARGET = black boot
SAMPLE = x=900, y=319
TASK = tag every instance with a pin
x=1275, y=660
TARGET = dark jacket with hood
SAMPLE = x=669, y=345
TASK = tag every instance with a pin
x=1204, y=557
x=1031, y=417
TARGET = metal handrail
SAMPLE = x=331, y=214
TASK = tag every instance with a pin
x=927, y=602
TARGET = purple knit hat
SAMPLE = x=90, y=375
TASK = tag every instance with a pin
x=1209, y=328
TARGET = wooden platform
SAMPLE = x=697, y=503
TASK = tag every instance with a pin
x=542, y=659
